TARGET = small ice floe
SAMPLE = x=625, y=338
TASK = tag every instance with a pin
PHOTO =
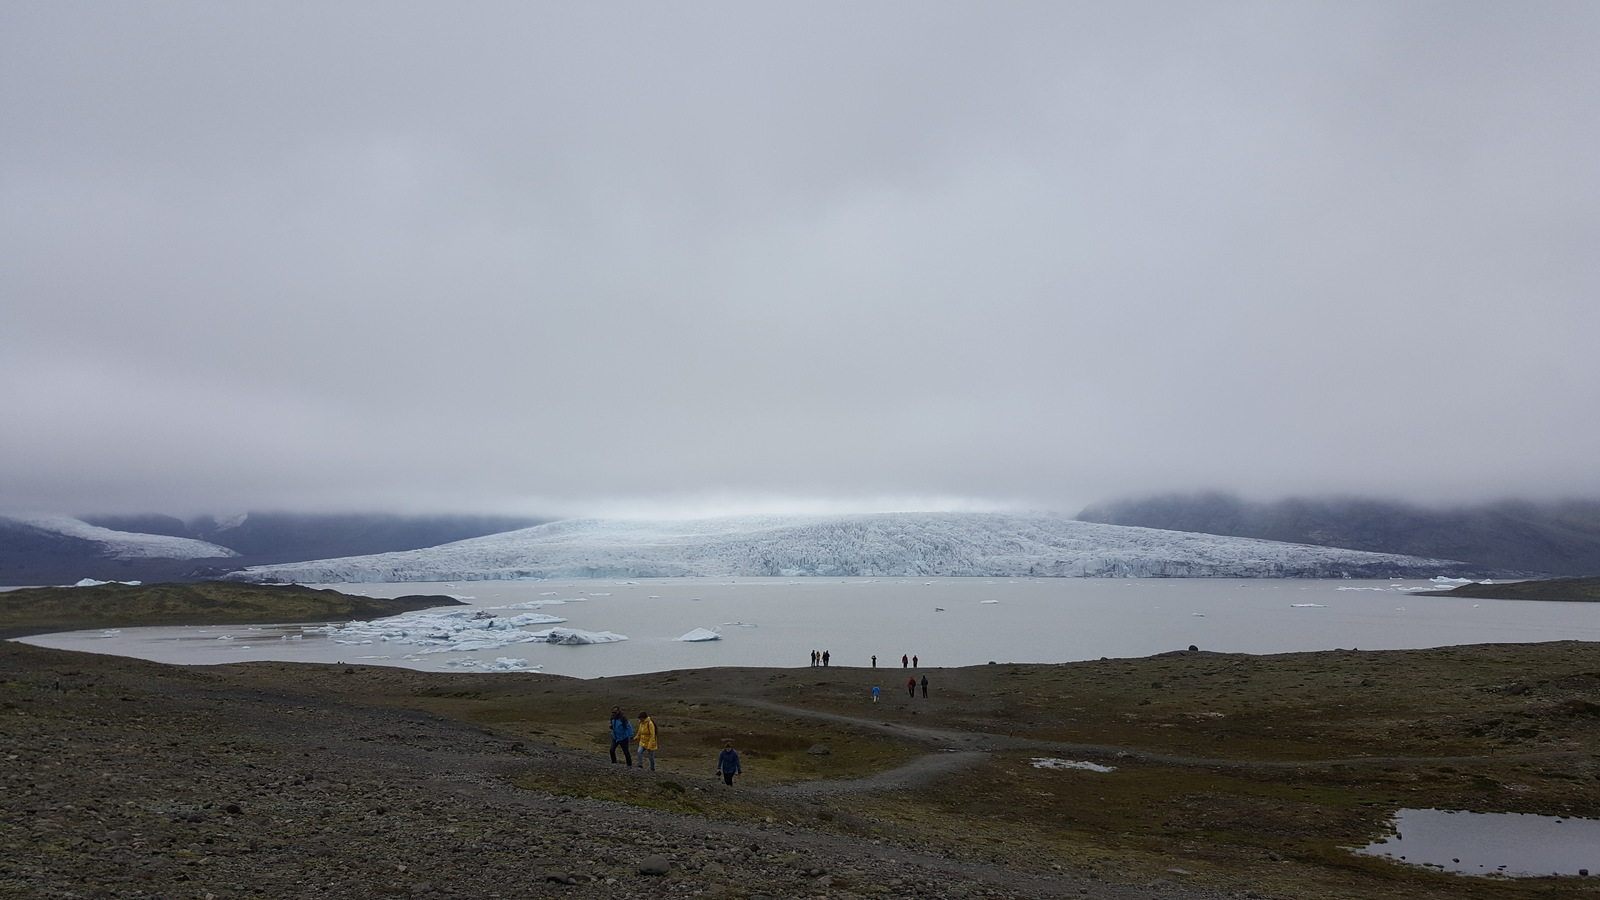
x=111, y=632
x=547, y=593
x=1440, y=579
x=703, y=634
x=1309, y=605
x=574, y=637
x=1198, y=615
x=500, y=664
x=988, y=601
x=225, y=637
x=938, y=609
x=1047, y=762
x=741, y=624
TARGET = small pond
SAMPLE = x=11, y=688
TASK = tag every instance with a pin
x=1515, y=845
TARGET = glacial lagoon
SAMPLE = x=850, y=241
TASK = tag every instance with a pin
x=943, y=621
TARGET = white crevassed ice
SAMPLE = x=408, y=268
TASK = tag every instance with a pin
x=866, y=545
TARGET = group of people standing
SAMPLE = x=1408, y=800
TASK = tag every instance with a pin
x=624, y=732
x=819, y=657
x=905, y=661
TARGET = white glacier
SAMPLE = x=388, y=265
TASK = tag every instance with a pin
x=866, y=545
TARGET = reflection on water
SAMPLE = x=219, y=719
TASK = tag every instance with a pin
x=1516, y=845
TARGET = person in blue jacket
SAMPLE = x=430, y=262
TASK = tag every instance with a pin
x=621, y=734
x=728, y=763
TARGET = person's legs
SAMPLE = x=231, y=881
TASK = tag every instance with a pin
x=727, y=778
x=613, y=750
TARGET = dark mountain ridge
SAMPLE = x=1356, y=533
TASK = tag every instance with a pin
x=1556, y=538
x=34, y=556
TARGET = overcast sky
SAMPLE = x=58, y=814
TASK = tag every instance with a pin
x=640, y=258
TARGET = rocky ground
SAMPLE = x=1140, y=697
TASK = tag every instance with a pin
x=130, y=779
x=1236, y=776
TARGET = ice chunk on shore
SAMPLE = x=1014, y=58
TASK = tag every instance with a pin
x=1047, y=762
x=703, y=634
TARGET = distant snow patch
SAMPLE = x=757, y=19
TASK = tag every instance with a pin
x=125, y=544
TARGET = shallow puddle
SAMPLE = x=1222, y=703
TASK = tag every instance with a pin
x=1515, y=845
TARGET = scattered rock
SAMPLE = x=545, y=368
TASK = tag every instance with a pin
x=655, y=864
x=820, y=750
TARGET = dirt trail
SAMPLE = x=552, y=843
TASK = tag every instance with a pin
x=961, y=749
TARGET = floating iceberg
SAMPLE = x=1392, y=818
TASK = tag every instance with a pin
x=575, y=637
x=703, y=634
x=455, y=630
x=1309, y=605
x=500, y=664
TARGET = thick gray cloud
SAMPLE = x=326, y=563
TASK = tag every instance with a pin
x=605, y=257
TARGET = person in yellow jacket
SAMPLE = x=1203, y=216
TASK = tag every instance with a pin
x=646, y=736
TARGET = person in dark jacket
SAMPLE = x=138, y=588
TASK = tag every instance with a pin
x=924, y=687
x=728, y=763
x=911, y=687
x=621, y=734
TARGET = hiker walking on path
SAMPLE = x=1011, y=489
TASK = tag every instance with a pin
x=913, y=662
x=874, y=693
x=874, y=660
x=647, y=738
x=904, y=660
x=924, y=687
x=728, y=763
x=911, y=687
x=621, y=734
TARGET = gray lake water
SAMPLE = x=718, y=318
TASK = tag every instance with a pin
x=1514, y=845
x=943, y=621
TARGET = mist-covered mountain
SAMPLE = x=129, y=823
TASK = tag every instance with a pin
x=883, y=545
x=55, y=549
x=1549, y=538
